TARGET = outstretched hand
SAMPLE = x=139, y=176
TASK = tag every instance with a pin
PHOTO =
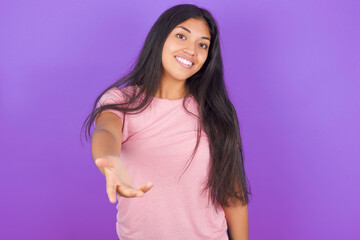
x=118, y=179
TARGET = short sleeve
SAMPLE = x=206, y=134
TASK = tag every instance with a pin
x=112, y=96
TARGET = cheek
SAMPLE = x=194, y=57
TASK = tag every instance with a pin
x=168, y=53
x=173, y=47
x=203, y=58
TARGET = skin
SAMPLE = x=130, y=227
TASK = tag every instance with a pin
x=105, y=148
x=189, y=44
x=238, y=220
x=172, y=86
x=108, y=125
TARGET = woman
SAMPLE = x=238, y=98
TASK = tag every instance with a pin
x=174, y=108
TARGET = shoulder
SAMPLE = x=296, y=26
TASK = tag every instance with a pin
x=119, y=92
x=127, y=89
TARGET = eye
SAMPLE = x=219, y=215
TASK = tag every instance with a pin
x=180, y=35
x=204, y=46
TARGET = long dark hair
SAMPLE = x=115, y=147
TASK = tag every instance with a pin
x=227, y=181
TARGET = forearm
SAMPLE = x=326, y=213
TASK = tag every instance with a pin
x=238, y=222
x=104, y=143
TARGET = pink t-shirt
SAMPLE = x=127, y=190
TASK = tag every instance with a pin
x=156, y=145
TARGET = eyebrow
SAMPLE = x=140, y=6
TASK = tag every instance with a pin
x=190, y=31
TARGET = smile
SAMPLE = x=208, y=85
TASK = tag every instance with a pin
x=183, y=62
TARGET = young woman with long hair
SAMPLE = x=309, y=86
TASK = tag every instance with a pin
x=167, y=137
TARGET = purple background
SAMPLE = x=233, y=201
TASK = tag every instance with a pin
x=292, y=69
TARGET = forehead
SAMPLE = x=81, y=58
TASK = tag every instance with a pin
x=196, y=26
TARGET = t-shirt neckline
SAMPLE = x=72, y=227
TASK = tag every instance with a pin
x=165, y=99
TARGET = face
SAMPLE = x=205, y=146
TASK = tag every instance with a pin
x=185, y=49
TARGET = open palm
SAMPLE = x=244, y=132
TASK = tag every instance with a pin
x=118, y=180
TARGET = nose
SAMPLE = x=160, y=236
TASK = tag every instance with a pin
x=190, y=49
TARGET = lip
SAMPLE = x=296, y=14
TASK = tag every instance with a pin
x=182, y=64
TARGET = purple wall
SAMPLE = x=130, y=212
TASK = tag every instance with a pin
x=293, y=72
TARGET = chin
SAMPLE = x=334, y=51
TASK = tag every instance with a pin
x=181, y=77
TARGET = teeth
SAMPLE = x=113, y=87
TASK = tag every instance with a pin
x=184, y=61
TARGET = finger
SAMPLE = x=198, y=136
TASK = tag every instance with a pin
x=102, y=162
x=111, y=191
x=128, y=192
x=145, y=187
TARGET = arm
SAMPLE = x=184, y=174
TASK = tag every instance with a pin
x=105, y=148
x=238, y=221
x=106, y=138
